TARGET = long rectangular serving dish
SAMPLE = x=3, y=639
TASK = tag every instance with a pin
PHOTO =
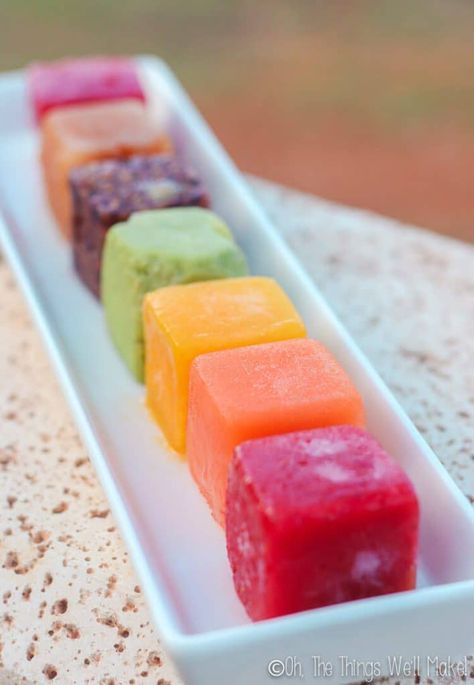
x=178, y=550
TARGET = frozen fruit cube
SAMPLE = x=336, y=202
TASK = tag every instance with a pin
x=155, y=249
x=318, y=517
x=82, y=80
x=184, y=321
x=107, y=192
x=251, y=392
x=86, y=133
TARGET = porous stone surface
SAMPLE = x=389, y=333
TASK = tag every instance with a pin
x=71, y=607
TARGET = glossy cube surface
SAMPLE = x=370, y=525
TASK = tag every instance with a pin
x=318, y=517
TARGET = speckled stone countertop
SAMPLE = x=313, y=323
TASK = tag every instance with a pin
x=72, y=610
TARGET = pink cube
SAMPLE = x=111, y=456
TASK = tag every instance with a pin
x=318, y=517
x=82, y=80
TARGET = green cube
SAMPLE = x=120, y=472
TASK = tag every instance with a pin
x=154, y=249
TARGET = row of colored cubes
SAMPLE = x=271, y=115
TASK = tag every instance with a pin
x=315, y=511
x=104, y=154
x=312, y=517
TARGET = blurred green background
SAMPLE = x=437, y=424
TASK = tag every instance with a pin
x=366, y=102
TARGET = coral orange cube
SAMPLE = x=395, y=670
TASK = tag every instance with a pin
x=184, y=321
x=84, y=133
x=257, y=391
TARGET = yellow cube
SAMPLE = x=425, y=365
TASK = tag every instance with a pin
x=184, y=321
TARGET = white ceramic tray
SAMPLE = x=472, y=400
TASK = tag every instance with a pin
x=178, y=550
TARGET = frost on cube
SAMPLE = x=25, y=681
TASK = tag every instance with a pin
x=318, y=517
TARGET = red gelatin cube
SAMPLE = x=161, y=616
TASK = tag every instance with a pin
x=82, y=80
x=318, y=517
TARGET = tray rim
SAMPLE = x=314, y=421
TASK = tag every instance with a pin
x=180, y=641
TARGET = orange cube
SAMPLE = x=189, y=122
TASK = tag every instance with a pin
x=183, y=321
x=258, y=391
x=78, y=134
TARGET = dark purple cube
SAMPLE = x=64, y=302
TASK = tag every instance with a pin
x=108, y=192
